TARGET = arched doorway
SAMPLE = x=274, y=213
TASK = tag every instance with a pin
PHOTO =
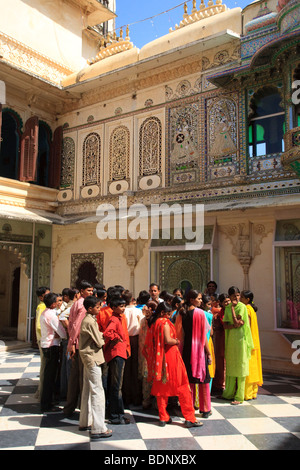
x=9, y=294
x=15, y=290
x=184, y=270
x=15, y=298
x=86, y=266
x=88, y=272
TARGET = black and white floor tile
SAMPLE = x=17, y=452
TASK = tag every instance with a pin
x=271, y=422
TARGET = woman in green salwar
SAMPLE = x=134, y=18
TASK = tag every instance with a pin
x=238, y=347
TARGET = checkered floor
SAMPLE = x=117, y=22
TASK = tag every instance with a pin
x=270, y=422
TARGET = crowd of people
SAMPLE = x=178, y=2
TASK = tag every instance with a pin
x=103, y=350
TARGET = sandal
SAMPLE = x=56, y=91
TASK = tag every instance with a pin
x=163, y=423
x=97, y=437
x=206, y=414
x=235, y=402
x=190, y=424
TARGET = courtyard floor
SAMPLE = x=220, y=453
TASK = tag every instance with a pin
x=272, y=422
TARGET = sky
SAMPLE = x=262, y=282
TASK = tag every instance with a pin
x=159, y=16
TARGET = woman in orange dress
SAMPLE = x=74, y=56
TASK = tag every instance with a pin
x=166, y=368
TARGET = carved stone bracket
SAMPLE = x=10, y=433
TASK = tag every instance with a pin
x=246, y=238
x=132, y=252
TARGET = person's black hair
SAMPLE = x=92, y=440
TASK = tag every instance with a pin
x=90, y=301
x=162, y=294
x=69, y=292
x=233, y=290
x=205, y=298
x=180, y=290
x=116, y=302
x=162, y=307
x=152, y=304
x=154, y=284
x=212, y=282
x=49, y=299
x=127, y=296
x=143, y=297
x=191, y=295
x=120, y=288
x=248, y=294
x=175, y=301
x=222, y=297
x=66, y=291
x=112, y=292
x=99, y=286
x=41, y=290
x=168, y=297
x=84, y=285
x=101, y=293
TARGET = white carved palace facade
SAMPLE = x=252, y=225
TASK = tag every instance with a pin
x=202, y=115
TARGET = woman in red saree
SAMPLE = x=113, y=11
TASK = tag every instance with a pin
x=166, y=367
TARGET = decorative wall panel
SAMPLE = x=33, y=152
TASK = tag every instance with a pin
x=150, y=147
x=91, y=159
x=222, y=136
x=184, y=269
x=119, y=154
x=183, y=143
x=67, y=163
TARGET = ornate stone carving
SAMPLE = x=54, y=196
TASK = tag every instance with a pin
x=77, y=259
x=91, y=159
x=246, y=239
x=67, y=163
x=150, y=147
x=204, y=12
x=22, y=252
x=164, y=75
x=132, y=252
x=184, y=269
x=112, y=45
x=20, y=55
x=183, y=143
x=119, y=153
x=222, y=127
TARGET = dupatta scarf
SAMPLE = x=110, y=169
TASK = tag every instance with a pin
x=255, y=365
x=200, y=330
x=154, y=350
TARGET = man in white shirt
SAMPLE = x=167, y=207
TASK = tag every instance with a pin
x=132, y=386
x=51, y=333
